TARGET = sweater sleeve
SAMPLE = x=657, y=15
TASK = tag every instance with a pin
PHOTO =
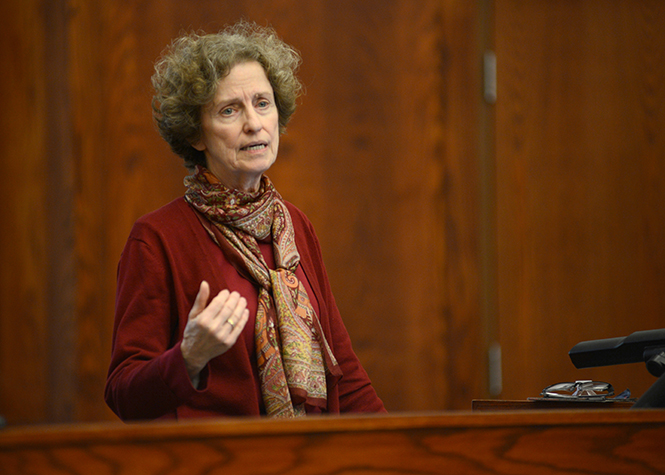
x=147, y=376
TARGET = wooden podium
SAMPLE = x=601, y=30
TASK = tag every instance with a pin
x=515, y=442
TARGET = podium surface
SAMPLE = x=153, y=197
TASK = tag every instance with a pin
x=515, y=442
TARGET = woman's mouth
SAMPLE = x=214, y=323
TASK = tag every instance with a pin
x=254, y=147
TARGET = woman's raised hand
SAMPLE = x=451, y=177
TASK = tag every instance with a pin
x=211, y=330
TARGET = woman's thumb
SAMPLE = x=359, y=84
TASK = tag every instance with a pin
x=201, y=299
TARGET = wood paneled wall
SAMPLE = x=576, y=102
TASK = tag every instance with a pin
x=380, y=155
x=24, y=196
x=446, y=224
x=580, y=184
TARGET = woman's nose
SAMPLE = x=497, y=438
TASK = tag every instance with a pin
x=252, y=120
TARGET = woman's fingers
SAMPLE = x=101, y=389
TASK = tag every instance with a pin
x=224, y=313
x=237, y=326
x=213, y=328
x=208, y=315
x=236, y=307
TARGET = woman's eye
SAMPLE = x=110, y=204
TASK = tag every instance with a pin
x=227, y=111
x=263, y=104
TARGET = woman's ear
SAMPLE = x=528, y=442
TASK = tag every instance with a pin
x=198, y=145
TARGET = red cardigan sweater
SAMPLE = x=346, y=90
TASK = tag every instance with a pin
x=166, y=257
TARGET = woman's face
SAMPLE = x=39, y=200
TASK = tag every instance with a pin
x=240, y=128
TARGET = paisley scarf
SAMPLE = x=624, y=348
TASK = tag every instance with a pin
x=294, y=358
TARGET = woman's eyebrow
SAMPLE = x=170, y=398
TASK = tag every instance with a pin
x=237, y=99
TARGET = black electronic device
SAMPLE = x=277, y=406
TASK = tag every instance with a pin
x=642, y=346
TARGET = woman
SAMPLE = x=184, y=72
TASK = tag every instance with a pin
x=270, y=340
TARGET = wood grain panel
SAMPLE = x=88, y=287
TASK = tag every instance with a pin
x=576, y=442
x=461, y=77
x=96, y=155
x=60, y=187
x=580, y=184
x=23, y=213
